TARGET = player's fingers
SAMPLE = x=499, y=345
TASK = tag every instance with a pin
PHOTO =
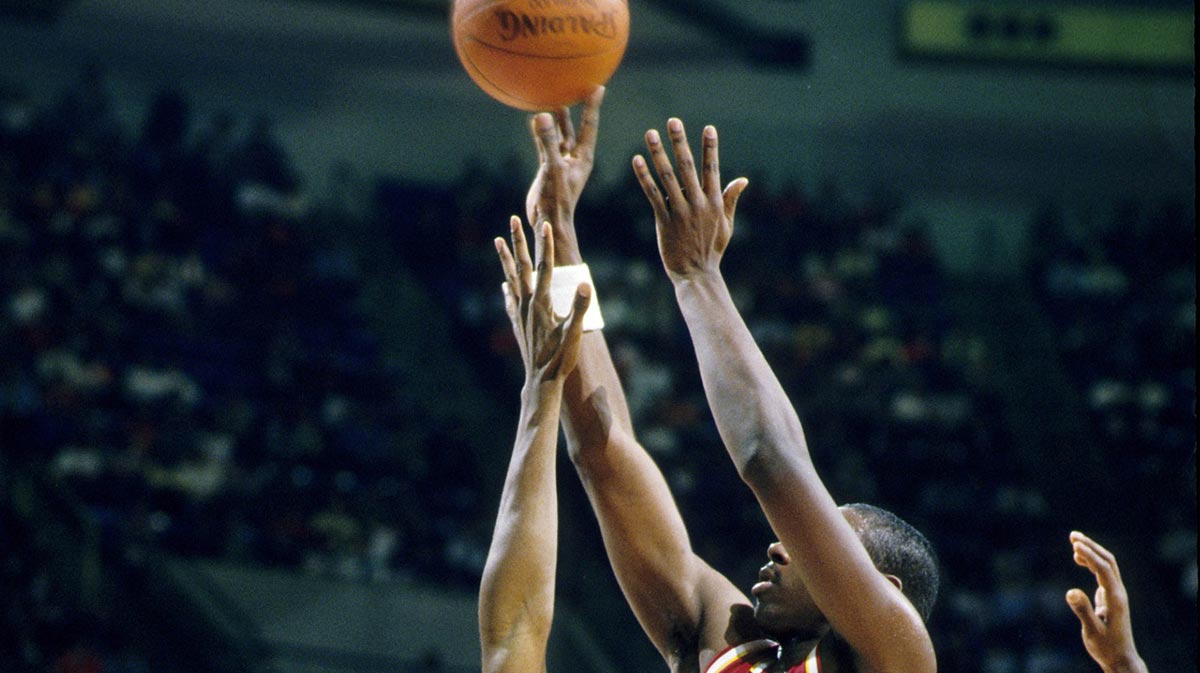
x=1082, y=607
x=1105, y=554
x=729, y=198
x=1103, y=566
x=1100, y=550
x=672, y=194
x=545, y=262
x=710, y=169
x=685, y=165
x=653, y=195
x=566, y=130
x=507, y=264
x=572, y=332
x=548, y=136
x=589, y=125
x=524, y=267
x=510, y=307
x=537, y=139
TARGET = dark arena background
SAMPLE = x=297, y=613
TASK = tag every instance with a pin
x=258, y=391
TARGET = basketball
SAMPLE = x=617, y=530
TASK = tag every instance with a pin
x=540, y=54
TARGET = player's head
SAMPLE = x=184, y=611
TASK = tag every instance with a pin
x=783, y=604
x=899, y=550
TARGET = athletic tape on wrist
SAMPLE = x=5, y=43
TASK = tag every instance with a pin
x=562, y=293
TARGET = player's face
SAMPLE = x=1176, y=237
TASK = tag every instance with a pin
x=782, y=604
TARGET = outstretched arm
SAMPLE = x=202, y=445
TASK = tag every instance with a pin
x=681, y=602
x=756, y=420
x=516, y=596
x=1107, y=632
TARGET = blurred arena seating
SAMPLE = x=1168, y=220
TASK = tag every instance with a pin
x=189, y=368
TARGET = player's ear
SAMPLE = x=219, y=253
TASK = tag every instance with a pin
x=895, y=580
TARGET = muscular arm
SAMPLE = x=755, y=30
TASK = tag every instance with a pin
x=757, y=422
x=516, y=595
x=681, y=602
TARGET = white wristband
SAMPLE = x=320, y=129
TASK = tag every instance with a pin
x=562, y=293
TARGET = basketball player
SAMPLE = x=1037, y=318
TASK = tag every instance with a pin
x=844, y=589
x=516, y=595
x=1107, y=633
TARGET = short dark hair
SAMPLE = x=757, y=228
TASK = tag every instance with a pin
x=896, y=548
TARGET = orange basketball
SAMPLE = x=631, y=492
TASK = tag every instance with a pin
x=540, y=54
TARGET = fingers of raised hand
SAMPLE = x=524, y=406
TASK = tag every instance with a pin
x=1102, y=604
x=1099, y=560
x=710, y=163
x=1082, y=607
x=642, y=172
x=733, y=191
x=523, y=267
x=589, y=124
x=510, y=300
x=509, y=266
x=506, y=261
x=537, y=139
x=566, y=129
x=545, y=262
x=573, y=333
x=689, y=182
x=672, y=192
x=549, y=138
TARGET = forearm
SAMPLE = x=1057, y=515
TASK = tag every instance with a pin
x=594, y=402
x=517, y=590
x=754, y=416
x=644, y=535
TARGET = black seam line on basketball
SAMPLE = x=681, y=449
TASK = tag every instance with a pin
x=497, y=87
x=489, y=45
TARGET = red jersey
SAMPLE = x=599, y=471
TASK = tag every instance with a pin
x=757, y=656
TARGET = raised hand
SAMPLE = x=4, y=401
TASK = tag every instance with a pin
x=564, y=165
x=549, y=344
x=1107, y=633
x=693, y=215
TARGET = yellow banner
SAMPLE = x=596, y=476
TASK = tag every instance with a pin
x=1063, y=34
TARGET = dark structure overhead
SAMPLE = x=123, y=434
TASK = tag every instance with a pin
x=44, y=10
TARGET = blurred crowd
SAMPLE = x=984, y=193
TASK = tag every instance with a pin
x=184, y=352
x=1119, y=287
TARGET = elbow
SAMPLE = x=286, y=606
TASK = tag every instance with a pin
x=757, y=464
x=591, y=431
x=765, y=464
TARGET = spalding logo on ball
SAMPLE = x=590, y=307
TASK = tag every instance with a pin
x=540, y=54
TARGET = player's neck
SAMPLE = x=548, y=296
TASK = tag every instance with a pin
x=793, y=650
